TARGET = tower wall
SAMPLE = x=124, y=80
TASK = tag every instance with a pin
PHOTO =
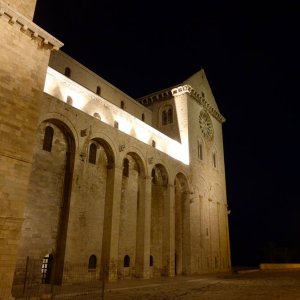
x=24, y=61
x=24, y=7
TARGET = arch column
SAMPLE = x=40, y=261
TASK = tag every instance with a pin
x=109, y=257
x=169, y=233
x=143, y=228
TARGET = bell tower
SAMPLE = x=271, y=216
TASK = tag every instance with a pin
x=24, y=56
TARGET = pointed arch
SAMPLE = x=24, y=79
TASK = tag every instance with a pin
x=48, y=138
x=159, y=213
x=182, y=227
x=56, y=204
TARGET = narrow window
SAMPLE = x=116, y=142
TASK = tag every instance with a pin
x=200, y=151
x=48, y=138
x=153, y=144
x=167, y=115
x=92, y=154
x=116, y=124
x=153, y=175
x=126, y=261
x=164, y=117
x=214, y=160
x=68, y=72
x=122, y=105
x=97, y=115
x=70, y=100
x=151, y=261
x=143, y=117
x=46, y=268
x=98, y=90
x=125, y=167
x=170, y=116
x=93, y=262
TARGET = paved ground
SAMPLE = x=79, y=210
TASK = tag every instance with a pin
x=267, y=285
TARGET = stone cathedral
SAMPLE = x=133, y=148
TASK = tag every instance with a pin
x=91, y=176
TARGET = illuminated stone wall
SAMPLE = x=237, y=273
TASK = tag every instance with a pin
x=45, y=195
x=24, y=59
x=88, y=79
x=24, y=7
x=209, y=198
x=171, y=205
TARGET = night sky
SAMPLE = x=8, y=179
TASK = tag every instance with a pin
x=250, y=54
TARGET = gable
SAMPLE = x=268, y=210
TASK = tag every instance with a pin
x=200, y=84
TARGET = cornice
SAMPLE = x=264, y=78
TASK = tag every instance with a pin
x=183, y=89
x=28, y=27
x=158, y=96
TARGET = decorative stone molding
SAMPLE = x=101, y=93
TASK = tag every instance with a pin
x=200, y=99
x=28, y=27
x=180, y=90
x=83, y=132
x=150, y=160
x=82, y=156
x=158, y=96
x=121, y=148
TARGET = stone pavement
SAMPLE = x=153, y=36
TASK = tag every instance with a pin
x=268, y=285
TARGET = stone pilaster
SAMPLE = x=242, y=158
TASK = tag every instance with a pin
x=143, y=228
x=111, y=223
x=169, y=233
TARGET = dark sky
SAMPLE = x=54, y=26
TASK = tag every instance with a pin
x=250, y=54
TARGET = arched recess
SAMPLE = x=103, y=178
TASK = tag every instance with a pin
x=159, y=231
x=133, y=174
x=49, y=191
x=182, y=225
x=98, y=179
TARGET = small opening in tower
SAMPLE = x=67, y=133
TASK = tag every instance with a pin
x=68, y=72
x=98, y=90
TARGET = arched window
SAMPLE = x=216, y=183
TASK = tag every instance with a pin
x=125, y=167
x=122, y=104
x=92, y=153
x=214, y=159
x=116, y=124
x=46, y=268
x=126, y=261
x=93, y=262
x=167, y=115
x=97, y=115
x=200, y=150
x=98, y=90
x=164, y=117
x=48, y=138
x=70, y=100
x=153, y=144
x=170, y=115
x=68, y=72
x=143, y=117
x=153, y=176
x=151, y=261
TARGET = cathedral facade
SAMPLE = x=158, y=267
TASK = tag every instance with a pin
x=91, y=176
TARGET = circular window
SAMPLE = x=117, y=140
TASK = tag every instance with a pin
x=206, y=125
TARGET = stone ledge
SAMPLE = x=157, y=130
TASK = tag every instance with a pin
x=200, y=99
x=27, y=26
x=279, y=266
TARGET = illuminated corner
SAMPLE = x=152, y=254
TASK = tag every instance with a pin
x=62, y=87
